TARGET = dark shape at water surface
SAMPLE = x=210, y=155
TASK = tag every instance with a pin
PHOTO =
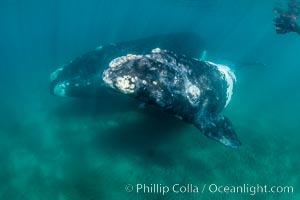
x=194, y=90
x=82, y=76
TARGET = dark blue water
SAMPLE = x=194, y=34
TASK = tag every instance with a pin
x=64, y=148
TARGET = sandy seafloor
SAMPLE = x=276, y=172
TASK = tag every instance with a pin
x=55, y=148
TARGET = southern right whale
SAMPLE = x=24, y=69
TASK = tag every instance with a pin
x=82, y=77
x=194, y=90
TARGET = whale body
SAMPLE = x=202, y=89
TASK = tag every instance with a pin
x=194, y=90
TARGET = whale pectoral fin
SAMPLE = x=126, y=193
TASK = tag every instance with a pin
x=218, y=128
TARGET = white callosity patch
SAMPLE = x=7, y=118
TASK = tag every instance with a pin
x=132, y=56
x=106, y=78
x=156, y=55
x=117, y=61
x=123, y=59
x=230, y=78
x=60, y=89
x=55, y=74
x=156, y=50
x=124, y=84
x=193, y=94
x=225, y=141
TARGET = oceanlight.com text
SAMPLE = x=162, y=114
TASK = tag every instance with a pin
x=207, y=188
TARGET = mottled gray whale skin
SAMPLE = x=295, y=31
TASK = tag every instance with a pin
x=196, y=91
x=82, y=77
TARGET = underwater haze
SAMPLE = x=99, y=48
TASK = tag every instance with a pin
x=54, y=148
